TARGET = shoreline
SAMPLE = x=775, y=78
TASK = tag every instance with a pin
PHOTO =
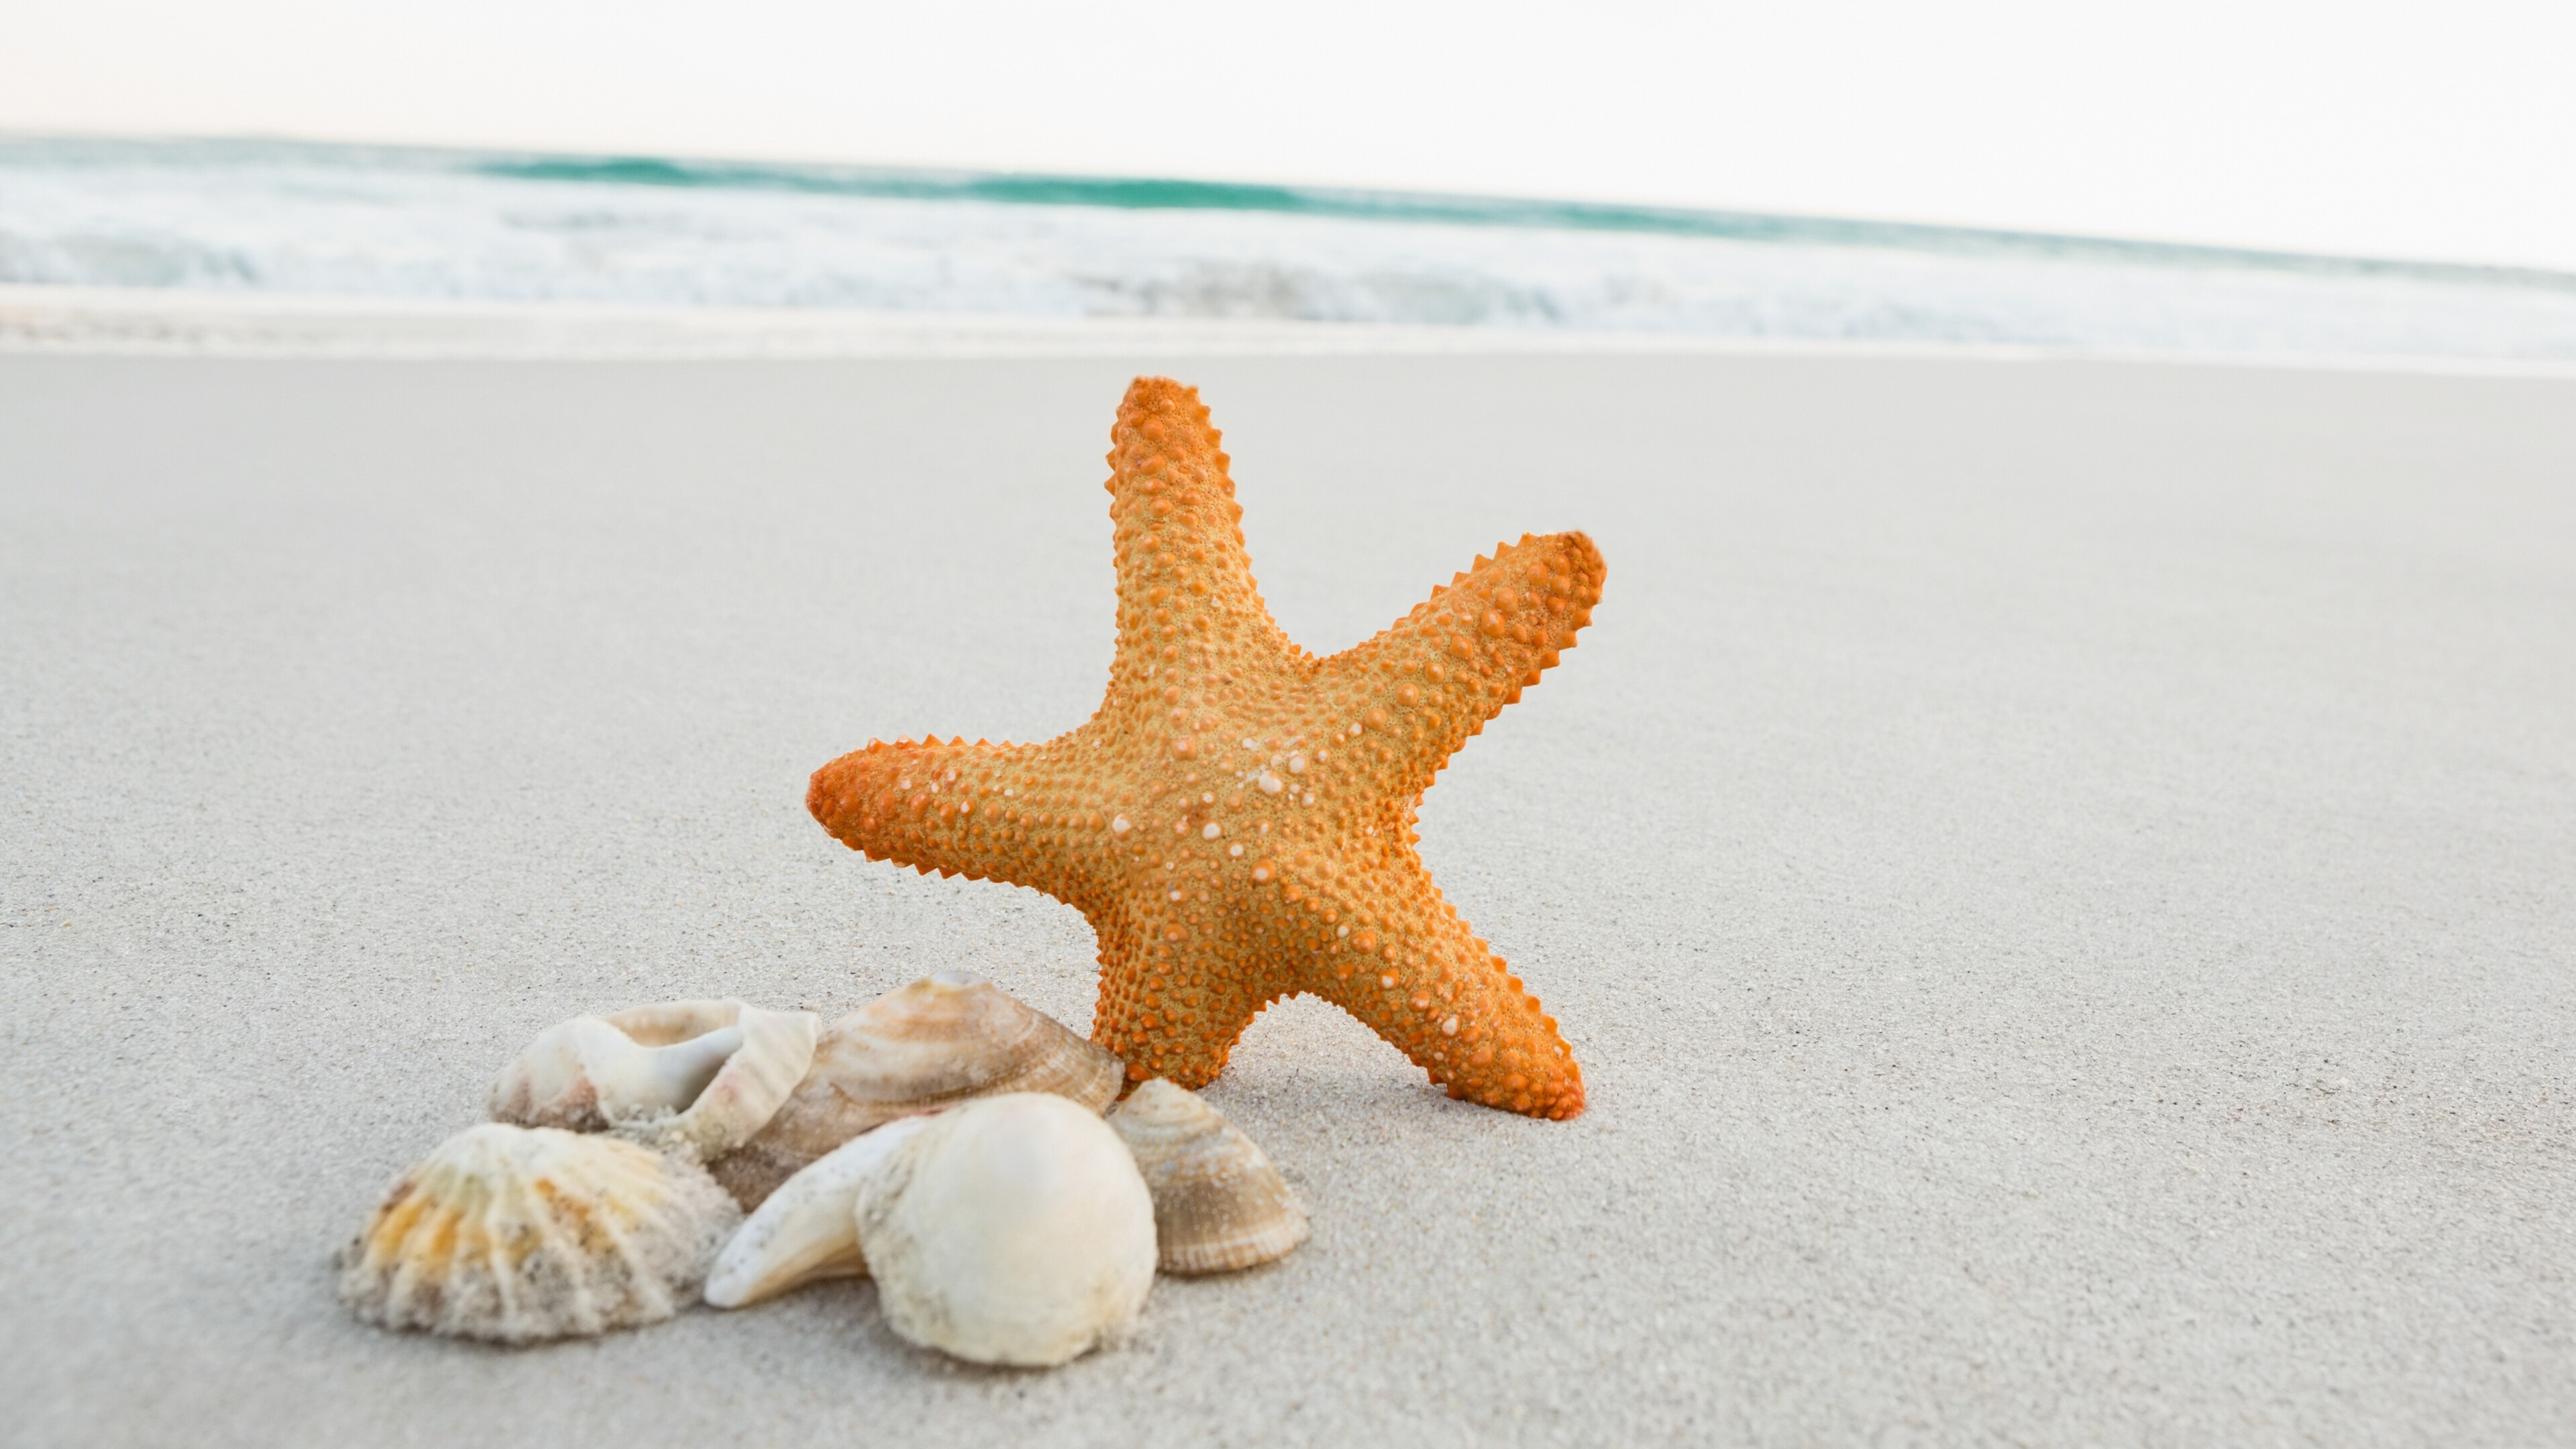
x=155, y=322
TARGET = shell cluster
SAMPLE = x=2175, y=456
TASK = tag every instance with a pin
x=944, y=1139
x=941, y=1040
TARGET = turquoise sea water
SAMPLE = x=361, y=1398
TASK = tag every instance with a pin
x=387, y=222
x=1148, y=194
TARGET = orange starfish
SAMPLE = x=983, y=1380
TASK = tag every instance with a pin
x=1236, y=820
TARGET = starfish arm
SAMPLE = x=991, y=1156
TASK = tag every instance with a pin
x=1435, y=677
x=1174, y=993
x=1186, y=596
x=1399, y=958
x=984, y=811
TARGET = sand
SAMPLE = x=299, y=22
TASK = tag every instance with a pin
x=2061, y=877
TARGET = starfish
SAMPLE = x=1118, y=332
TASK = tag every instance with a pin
x=1236, y=820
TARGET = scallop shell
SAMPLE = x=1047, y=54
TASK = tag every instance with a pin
x=808, y=1230
x=516, y=1234
x=693, y=1076
x=939, y=1041
x=1218, y=1203
x=1012, y=1230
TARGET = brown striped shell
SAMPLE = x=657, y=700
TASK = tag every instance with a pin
x=1219, y=1204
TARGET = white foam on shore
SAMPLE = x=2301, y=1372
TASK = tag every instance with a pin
x=286, y=220
x=130, y=322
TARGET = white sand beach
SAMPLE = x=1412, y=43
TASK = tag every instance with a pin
x=2060, y=875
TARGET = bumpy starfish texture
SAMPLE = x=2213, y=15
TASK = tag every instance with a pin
x=1236, y=820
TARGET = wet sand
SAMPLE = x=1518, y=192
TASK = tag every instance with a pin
x=2057, y=874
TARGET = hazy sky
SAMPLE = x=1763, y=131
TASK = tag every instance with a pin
x=2442, y=130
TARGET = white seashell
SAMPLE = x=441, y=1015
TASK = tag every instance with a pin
x=808, y=1230
x=692, y=1076
x=1219, y=1205
x=939, y=1041
x=574, y=1070
x=516, y=1234
x=1011, y=1230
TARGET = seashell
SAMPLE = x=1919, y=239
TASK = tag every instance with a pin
x=1012, y=1230
x=808, y=1230
x=516, y=1234
x=692, y=1076
x=939, y=1041
x=1218, y=1203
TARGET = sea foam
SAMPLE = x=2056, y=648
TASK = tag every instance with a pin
x=307, y=220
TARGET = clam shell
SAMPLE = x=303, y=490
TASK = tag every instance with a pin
x=1012, y=1230
x=1219, y=1205
x=516, y=1234
x=939, y=1041
x=690, y=1076
x=808, y=1230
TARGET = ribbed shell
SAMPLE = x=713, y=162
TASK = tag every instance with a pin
x=517, y=1234
x=1012, y=1230
x=939, y=1041
x=1219, y=1204
x=699, y=1077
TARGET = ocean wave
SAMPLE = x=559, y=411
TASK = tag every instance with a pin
x=351, y=221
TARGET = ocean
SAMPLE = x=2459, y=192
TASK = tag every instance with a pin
x=310, y=220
